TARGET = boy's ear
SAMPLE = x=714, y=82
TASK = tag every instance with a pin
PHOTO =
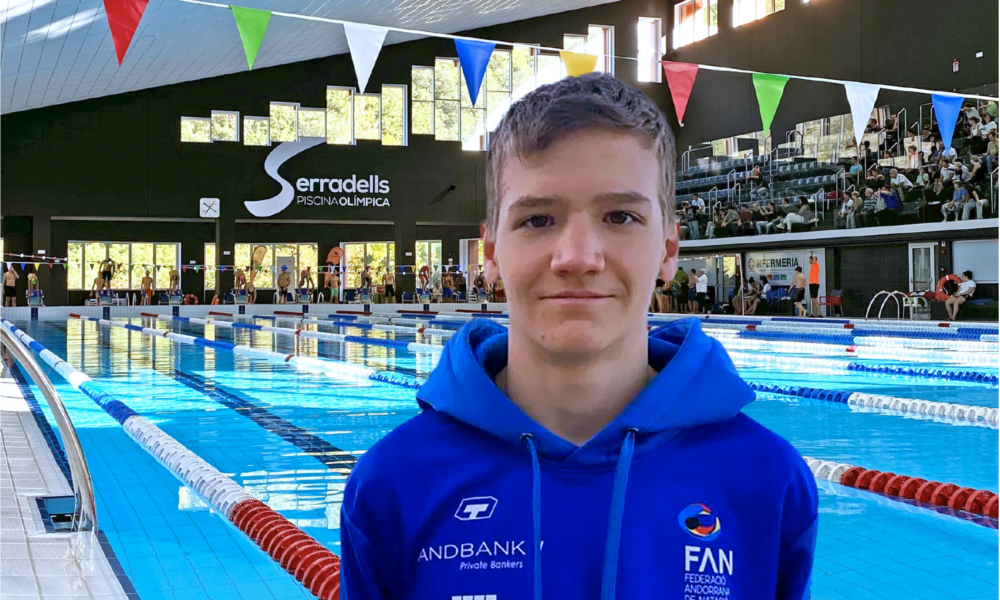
x=672, y=245
x=491, y=268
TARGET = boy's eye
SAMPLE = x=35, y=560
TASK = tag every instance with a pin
x=537, y=221
x=620, y=217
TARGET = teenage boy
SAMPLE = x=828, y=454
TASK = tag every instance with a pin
x=574, y=456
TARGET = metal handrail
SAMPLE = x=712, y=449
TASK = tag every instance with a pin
x=994, y=181
x=85, y=510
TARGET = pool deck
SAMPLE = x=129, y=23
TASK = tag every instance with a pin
x=35, y=563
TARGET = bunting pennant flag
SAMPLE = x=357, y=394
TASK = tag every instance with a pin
x=252, y=23
x=946, y=109
x=861, y=97
x=123, y=20
x=365, y=42
x=769, y=90
x=37, y=265
x=578, y=64
x=680, y=78
x=22, y=266
x=184, y=268
x=51, y=265
x=474, y=57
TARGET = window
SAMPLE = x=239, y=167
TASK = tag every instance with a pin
x=524, y=68
x=429, y=254
x=196, y=129
x=225, y=126
x=393, y=115
x=695, y=20
x=312, y=123
x=601, y=41
x=422, y=117
x=748, y=11
x=294, y=256
x=446, y=99
x=550, y=69
x=210, y=266
x=379, y=256
x=498, y=87
x=135, y=259
x=339, y=115
x=256, y=131
x=284, y=122
x=648, y=66
x=367, y=116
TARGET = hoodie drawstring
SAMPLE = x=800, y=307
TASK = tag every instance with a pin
x=609, y=579
x=536, y=512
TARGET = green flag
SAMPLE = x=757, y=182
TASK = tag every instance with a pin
x=769, y=90
x=252, y=23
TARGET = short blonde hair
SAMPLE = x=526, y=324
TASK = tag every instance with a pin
x=552, y=112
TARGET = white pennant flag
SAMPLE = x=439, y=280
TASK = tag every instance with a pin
x=862, y=97
x=365, y=42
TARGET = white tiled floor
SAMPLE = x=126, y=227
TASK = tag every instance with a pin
x=35, y=564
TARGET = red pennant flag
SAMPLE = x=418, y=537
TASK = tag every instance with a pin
x=184, y=268
x=50, y=266
x=123, y=20
x=680, y=78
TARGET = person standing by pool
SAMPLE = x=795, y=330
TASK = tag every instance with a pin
x=146, y=289
x=817, y=311
x=284, y=280
x=9, y=286
x=701, y=286
x=575, y=418
x=798, y=291
x=692, y=296
x=107, y=269
x=335, y=287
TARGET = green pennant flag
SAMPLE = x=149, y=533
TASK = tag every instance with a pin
x=769, y=90
x=252, y=23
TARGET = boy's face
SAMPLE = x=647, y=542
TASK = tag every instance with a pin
x=580, y=241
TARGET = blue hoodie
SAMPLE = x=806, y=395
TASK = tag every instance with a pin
x=681, y=496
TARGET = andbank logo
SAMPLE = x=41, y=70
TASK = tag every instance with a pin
x=351, y=185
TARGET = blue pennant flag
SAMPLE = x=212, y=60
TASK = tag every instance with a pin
x=946, y=108
x=474, y=56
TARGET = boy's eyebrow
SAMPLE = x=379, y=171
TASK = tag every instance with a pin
x=629, y=197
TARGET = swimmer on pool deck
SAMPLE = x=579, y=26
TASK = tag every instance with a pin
x=9, y=290
x=798, y=292
x=251, y=293
x=335, y=289
x=147, y=289
x=572, y=455
x=284, y=280
x=175, y=283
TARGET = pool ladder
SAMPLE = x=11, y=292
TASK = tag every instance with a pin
x=84, y=516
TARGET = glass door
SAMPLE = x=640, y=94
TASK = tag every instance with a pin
x=922, y=267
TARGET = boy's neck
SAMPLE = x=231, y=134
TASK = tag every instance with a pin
x=575, y=398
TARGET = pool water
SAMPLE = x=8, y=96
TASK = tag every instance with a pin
x=289, y=437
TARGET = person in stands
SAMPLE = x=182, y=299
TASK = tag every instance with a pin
x=962, y=295
x=575, y=417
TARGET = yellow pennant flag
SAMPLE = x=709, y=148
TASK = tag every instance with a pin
x=37, y=265
x=578, y=64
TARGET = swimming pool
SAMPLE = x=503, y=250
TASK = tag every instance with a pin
x=289, y=437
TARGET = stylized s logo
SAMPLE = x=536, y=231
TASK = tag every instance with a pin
x=277, y=157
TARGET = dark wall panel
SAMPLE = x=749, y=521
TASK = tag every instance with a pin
x=863, y=271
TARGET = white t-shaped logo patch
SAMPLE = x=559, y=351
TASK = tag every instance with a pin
x=476, y=509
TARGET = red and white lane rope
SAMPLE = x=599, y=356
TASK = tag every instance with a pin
x=969, y=500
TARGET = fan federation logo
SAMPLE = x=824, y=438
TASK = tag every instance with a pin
x=698, y=520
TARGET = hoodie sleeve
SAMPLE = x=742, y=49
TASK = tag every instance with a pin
x=365, y=573
x=798, y=533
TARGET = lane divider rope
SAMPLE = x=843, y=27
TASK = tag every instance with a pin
x=820, y=365
x=974, y=415
x=311, y=563
x=964, y=502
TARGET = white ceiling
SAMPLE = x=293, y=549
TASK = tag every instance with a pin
x=58, y=51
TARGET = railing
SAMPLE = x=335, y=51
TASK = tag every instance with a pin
x=894, y=295
x=930, y=115
x=85, y=510
x=994, y=181
x=686, y=156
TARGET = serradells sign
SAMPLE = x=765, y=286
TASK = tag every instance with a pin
x=351, y=191
x=352, y=185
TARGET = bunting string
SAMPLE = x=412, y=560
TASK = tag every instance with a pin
x=616, y=57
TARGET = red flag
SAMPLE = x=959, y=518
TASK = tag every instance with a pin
x=123, y=20
x=184, y=268
x=50, y=266
x=680, y=77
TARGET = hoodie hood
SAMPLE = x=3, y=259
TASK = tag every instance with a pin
x=696, y=384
